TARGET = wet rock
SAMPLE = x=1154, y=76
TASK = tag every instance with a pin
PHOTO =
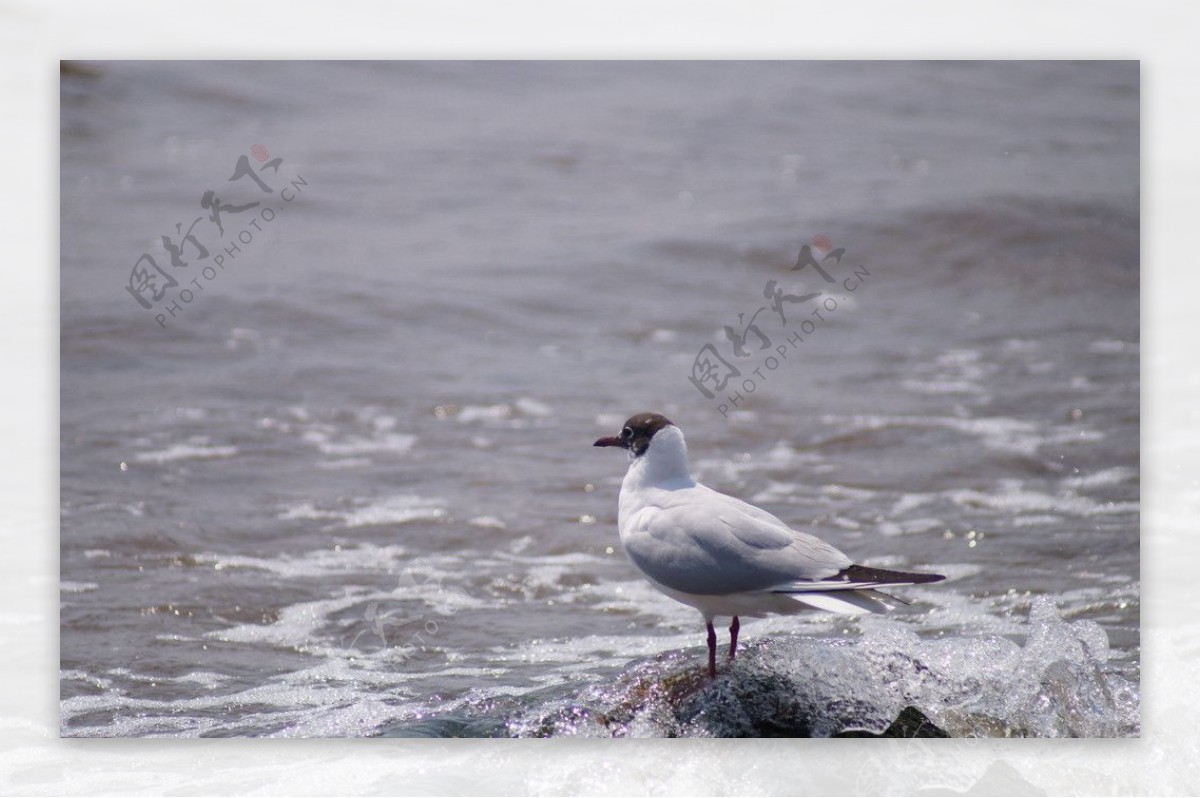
x=911, y=722
x=888, y=682
x=671, y=696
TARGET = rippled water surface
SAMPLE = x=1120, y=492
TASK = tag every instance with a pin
x=348, y=488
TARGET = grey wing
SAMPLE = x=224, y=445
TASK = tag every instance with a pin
x=718, y=547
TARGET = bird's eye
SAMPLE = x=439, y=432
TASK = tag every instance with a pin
x=627, y=433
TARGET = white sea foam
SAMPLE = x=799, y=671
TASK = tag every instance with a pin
x=296, y=704
x=845, y=492
x=473, y=413
x=396, y=510
x=383, y=442
x=1011, y=497
x=348, y=462
x=1101, y=478
x=910, y=526
x=1110, y=347
x=196, y=448
x=1036, y=520
x=400, y=509
x=774, y=492
x=524, y=406
x=910, y=501
x=321, y=562
x=296, y=627
x=532, y=407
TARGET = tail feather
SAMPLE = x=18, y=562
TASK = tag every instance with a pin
x=845, y=602
x=858, y=577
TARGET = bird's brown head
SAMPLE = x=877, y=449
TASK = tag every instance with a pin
x=637, y=433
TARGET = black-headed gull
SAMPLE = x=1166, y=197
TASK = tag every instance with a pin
x=723, y=556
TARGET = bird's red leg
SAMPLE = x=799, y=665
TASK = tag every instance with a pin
x=733, y=630
x=712, y=651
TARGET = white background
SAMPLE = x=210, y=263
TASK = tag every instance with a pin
x=34, y=35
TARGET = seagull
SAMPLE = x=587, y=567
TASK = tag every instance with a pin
x=722, y=556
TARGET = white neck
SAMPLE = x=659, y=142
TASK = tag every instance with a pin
x=664, y=463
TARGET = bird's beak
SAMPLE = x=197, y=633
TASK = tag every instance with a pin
x=610, y=442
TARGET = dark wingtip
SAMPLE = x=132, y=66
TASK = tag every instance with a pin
x=861, y=573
